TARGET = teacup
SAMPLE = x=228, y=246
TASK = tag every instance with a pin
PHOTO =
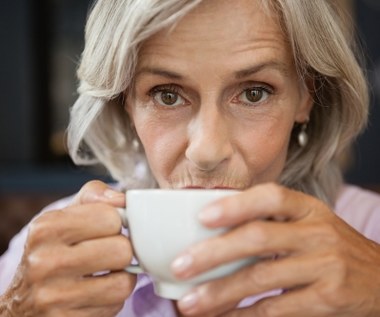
x=163, y=223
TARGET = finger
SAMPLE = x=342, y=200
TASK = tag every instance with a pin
x=75, y=224
x=97, y=191
x=110, y=310
x=107, y=254
x=95, y=291
x=86, y=258
x=110, y=289
x=255, y=239
x=262, y=277
x=297, y=303
x=260, y=202
x=91, y=221
x=216, y=312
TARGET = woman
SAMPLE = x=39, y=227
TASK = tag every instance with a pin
x=260, y=96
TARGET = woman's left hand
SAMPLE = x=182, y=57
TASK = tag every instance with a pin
x=327, y=267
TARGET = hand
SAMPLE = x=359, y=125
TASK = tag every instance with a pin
x=64, y=249
x=327, y=268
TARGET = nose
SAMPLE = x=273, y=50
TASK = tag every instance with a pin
x=209, y=140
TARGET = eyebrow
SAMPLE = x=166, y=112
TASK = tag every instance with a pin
x=159, y=72
x=240, y=74
x=281, y=67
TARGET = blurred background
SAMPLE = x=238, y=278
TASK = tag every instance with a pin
x=41, y=42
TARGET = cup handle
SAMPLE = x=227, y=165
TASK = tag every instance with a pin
x=132, y=268
x=123, y=217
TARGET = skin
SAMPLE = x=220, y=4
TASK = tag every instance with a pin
x=211, y=135
x=210, y=72
x=191, y=111
x=63, y=249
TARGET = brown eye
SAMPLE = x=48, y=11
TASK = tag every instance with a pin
x=254, y=94
x=169, y=98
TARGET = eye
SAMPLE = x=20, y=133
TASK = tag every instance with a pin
x=254, y=95
x=167, y=96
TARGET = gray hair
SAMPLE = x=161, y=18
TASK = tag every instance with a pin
x=100, y=130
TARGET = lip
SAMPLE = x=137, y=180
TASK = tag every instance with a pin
x=212, y=187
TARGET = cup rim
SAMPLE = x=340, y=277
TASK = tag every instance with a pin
x=182, y=190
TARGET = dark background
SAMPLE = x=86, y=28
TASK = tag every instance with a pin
x=41, y=43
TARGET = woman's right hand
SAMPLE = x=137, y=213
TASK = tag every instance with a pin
x=64, y=249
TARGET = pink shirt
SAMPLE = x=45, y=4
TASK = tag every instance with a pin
x=358, y=207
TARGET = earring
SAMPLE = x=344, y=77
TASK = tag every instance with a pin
x=135, y=145
x=302, y=137
x=135, y=140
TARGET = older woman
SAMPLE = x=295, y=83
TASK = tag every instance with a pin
x=257, y=95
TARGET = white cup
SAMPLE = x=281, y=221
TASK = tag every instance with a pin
x=162, y=224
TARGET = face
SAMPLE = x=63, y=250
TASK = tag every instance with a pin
x=215, y=99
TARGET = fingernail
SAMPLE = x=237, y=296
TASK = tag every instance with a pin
x=210, y=215
x=182, y=263
x=110, y=193
x=189, y=301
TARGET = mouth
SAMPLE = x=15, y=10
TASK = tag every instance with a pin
x=202, y=181
x=209, y=187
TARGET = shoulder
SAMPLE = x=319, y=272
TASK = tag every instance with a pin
x=353, y=197
x=361, y=209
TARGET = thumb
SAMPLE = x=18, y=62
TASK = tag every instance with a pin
x=97, y=191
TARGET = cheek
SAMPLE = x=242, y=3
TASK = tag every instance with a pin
x=265, y=151
x=163, y=145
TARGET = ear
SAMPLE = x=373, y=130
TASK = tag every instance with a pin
x=306, y=103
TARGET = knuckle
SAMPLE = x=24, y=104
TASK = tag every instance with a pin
x=334, y=292
x=33, y=270
x=276, y=193
x=44, y=228
x=256, y=233
x=91, y=186
x=93, y=183
x=41, y=229
x=123, y=251
x=259, y=275
x=331, y=299
x=88, y=192
x=266, y=308
x=38, y=266
x=337, y=265
x=43, y=299
x=60, y=262
x=326, y=233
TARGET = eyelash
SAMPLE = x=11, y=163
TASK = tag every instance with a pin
x=261, y=87
x=171, y=88
x=165, y=88
x=175, y=89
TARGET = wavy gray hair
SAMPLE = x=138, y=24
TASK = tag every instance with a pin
x=100, y=130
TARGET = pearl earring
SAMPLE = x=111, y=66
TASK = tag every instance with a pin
x=135, y=144
x=303, y=138
x=135, y=140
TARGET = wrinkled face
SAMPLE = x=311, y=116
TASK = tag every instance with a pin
x=216, y=98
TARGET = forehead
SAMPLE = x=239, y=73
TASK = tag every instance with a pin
x=220, y=30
